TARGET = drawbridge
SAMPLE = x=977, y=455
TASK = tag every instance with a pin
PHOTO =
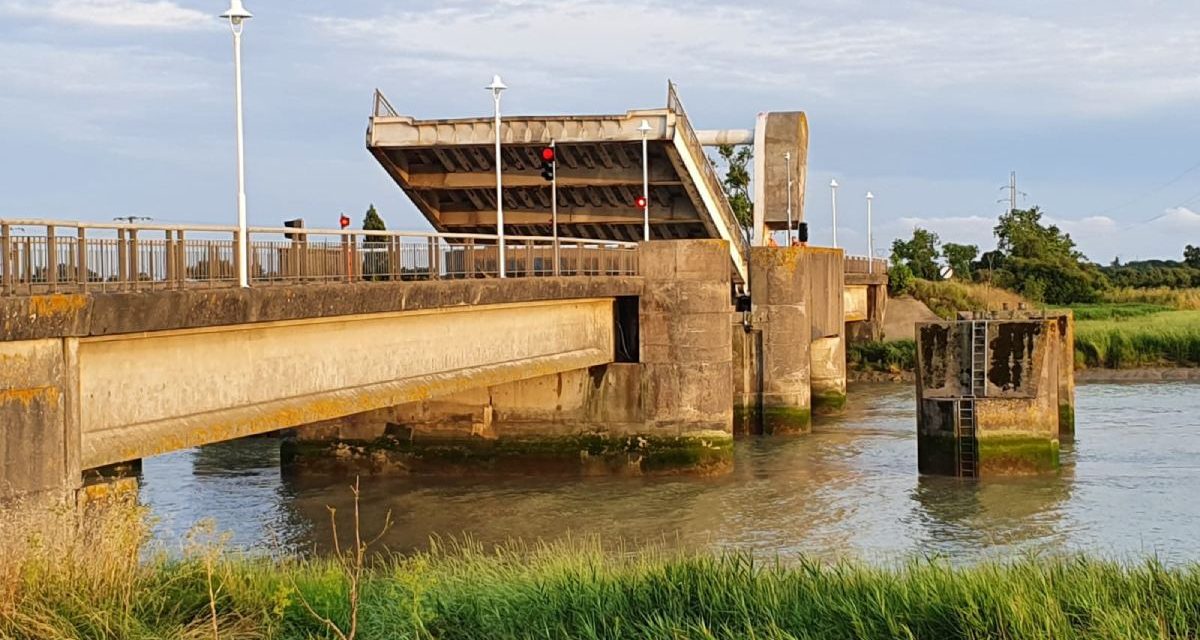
x=447, y=168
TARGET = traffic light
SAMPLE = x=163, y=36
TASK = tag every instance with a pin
x=298, y=223
x=640, y=202
x=548, y=162
x=344, y=221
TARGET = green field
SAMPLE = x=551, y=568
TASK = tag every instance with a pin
x=1118, y=336
x=105, y=585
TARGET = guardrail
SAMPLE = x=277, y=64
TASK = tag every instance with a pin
x=44, y=256
x=711, y=180
x=863, y=264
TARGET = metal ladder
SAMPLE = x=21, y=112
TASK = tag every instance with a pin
x=968, y=452
x=968, y=456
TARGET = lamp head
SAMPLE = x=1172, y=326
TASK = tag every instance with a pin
x=237, y=12
x=833, y=184
x=644, y=127
x=870, y=196
x=496, y=86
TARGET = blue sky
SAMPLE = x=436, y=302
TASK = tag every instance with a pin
x=124, y=107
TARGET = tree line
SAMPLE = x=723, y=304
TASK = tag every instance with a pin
x=1035, y=259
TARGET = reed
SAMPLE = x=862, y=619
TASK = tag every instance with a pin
x=577, y=589
x=1182, y=299
x=1161, y=338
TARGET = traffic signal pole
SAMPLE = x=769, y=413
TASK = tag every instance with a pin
x=554, y=206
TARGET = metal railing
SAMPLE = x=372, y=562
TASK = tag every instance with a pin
x=711, y=181
x=383, y=108
x=43, y=256
x=863, y=264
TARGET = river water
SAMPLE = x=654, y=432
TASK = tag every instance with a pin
x=1129, y=487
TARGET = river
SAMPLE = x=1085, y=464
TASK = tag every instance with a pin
x=1128, y=488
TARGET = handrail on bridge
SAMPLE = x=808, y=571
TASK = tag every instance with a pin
x=864, y=264
x=49, y=256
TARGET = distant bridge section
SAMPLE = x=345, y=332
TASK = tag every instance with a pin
x=447, y=168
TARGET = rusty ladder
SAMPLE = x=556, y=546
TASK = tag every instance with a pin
x=968, y=449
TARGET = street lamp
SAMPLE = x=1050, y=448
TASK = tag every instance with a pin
x=645, y=129
x=870, y=238
x=237, y=17
x=497, y=87
x=787, y=158
x=833, y=185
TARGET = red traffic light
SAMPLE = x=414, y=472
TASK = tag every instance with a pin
x=548, y=154
x=640, y=202
x=344, y=221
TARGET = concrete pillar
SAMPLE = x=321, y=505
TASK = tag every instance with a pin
x=824, y=269
x=779, y=293
x=1008, y=420
x=1066, y=375
x=39, y=420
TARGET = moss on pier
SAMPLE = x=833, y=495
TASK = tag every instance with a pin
x=589, y=454
x=786, y=420
x=1017, y=454
x=830, y=402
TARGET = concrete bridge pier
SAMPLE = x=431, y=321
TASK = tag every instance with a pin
x=779, y=293
x=663, y=404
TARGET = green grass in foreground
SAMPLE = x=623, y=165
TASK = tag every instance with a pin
x=99, y=589
x=1137, y=335
x=896, y=356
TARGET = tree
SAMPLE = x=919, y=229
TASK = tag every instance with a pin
x=375, y=260
x=1041, y=262
x=960, y=257
x=919, y=254
x=1191, y=256
x=737, y=181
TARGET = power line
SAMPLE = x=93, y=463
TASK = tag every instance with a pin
x=1154, y=190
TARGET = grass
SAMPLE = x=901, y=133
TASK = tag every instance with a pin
x=892, y=357
x=97, y=588
x=947, y=297
x=1182, y=299
x=1159, y=338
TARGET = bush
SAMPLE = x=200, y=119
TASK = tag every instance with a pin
x=900, y=279
x=893, y=357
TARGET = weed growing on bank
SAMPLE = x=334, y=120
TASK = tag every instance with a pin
x=892, y=357
x=94, y=586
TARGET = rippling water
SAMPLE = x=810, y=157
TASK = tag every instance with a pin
x=1128, y=488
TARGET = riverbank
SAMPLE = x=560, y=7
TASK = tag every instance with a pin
x=575, y=590
x=1144, y=374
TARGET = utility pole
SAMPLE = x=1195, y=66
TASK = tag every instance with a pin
x=1012, y=192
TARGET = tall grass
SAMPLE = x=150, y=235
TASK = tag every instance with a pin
x=582, y=590
x=1167, y=338
x=947, y=297
x=1183, y=299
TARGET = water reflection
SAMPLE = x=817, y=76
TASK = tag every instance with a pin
x=850, y=489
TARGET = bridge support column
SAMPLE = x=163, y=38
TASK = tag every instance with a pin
x=670, y=410
x=779, y=291
x=39, y=420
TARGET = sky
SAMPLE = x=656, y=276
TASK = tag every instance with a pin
x=125, y=107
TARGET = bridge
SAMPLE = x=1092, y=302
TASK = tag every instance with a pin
x=392, y=350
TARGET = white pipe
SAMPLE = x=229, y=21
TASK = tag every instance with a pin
x=717, y=137
x=645, y=190
x=833, y=185
x=499, y=192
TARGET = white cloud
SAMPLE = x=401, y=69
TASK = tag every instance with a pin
x=1178, y=219
x=849, y=52
x=144, y=14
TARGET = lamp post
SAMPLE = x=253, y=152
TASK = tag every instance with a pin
x=237, y=17
x=645, y=129
x=833, y=185
x=497, y=87
x=787, y=159
x=870, y=238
